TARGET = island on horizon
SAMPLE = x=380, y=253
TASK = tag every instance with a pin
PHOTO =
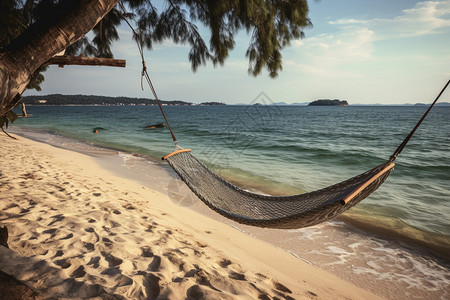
x=328, y=102
x=58, y=99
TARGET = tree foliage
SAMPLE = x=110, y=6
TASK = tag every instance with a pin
x=271, y=25
x=15, y=17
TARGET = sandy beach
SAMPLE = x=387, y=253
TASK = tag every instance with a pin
x=77, y=230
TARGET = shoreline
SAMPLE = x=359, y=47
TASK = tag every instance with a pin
x=78, y=230
x=315, y=245
x=116, y=161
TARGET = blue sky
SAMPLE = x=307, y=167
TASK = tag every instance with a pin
x=384, y=51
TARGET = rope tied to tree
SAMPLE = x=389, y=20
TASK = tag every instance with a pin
x=144, y=69
x=144, y=74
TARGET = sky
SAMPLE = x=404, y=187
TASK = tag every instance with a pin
x=362, y=51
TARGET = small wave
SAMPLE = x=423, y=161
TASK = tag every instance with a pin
x=396, y=229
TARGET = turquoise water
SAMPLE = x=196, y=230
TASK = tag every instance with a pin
x=285, y=150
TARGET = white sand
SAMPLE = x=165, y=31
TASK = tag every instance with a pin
x=77, y=230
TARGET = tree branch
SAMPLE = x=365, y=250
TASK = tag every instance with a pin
x=63, y=60
x=60, y=28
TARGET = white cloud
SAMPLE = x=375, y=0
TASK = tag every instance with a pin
x=168, y=43
x=353, y=41
x=328, y=52
x=346, y=22
x=424, y=18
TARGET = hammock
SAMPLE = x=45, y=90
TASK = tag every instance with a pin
x=275, y=211
x=279, y=211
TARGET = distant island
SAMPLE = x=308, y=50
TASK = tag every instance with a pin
x=327, y=102
x=212, y=103
x=58, y=99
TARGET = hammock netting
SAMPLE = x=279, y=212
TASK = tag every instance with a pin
x=275, y=211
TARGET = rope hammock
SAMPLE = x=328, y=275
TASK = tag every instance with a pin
x=295, y=211
x=274, y=211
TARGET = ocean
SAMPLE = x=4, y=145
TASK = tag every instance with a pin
x=282, y=150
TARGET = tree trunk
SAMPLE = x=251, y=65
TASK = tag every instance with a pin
x=41, y=41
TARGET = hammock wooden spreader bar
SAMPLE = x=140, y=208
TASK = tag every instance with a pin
x=367, y=183
x=176, y=152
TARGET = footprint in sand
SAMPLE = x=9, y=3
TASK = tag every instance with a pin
x=175, y=258
x=107, y=242
x=69, y=236
x=146, y=251
x=282, y=290
x=237, y=276
x=24, y=211
x=123, y=280
x=194, y=293
x=203, y=278
x=263, y=297
x=51, y=232
x=58, y=253
x=190, y=273
x=129, y=206
x=89, y=246
x=278, y=286
x=90, y=239
x=111, y=259
x=95, y=262
x=63, y=263
x=155, y=264
x=111, y=272
x=152, y=286
x=79, y=272
x=225, y=263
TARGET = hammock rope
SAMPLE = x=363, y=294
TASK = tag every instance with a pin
x=144, y=74
x=294, y=211
x=406, y=140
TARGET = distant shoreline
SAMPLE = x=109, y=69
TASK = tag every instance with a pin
x=443, y=104
x=94, y=100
